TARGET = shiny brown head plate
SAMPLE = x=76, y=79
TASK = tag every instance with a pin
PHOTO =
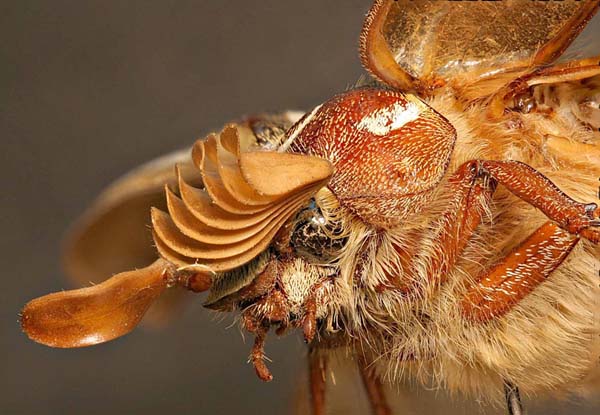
x=389, y=150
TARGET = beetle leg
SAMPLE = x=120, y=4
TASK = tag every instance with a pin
x=523, y=181
x=517, y=274
x=317, y=366
x=316, y=297
x=274, y=307
x=464, y=214
x=473, y=184
x=513, y=399
x=577, y=219
x=470, y=194
x=374, y=389
x=257, y=318
x=257, y=355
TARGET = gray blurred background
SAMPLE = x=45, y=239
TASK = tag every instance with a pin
x=90, y=89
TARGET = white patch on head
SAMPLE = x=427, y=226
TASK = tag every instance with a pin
x=384, y=120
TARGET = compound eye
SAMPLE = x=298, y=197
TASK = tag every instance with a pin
x=315, y=238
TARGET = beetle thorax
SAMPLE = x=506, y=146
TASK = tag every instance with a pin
x=389, y=150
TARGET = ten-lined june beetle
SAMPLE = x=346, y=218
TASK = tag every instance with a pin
x=437, y=222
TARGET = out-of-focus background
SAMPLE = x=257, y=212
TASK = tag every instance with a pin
x=89, y=90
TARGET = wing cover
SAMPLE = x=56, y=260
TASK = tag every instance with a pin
x=437, y=41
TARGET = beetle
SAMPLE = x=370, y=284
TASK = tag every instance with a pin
x=436, y=222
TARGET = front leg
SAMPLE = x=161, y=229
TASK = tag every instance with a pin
x=319, y=294
x=470, y=194
x=472, y=186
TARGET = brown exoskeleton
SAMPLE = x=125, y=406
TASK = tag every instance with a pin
x=437, y=222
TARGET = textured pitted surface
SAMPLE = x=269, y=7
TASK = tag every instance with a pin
x=388, y=149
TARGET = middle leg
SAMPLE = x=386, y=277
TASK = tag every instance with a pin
x=317, y=366
x=518, y=274
x=374, y=388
